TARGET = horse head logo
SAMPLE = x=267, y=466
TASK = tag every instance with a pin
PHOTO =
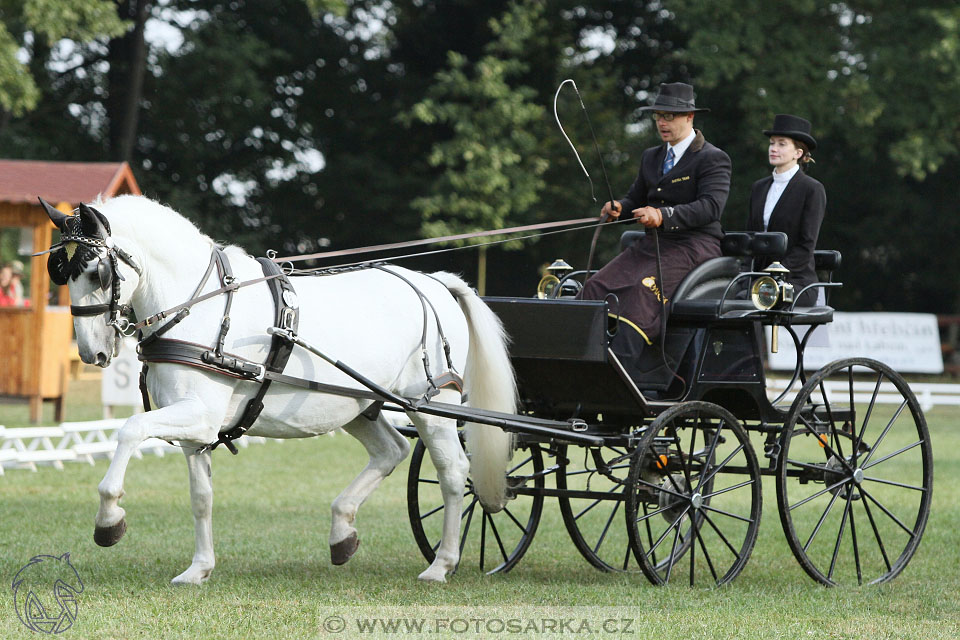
x=45, y=593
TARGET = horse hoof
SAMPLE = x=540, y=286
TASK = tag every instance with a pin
x=344, y=550
x=109, y=536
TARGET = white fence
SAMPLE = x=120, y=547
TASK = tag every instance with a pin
x=26, y=447
x=929, y=395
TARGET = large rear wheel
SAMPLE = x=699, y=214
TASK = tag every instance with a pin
x=855, y=473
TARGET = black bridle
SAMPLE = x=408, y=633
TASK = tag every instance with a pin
x=109, y=275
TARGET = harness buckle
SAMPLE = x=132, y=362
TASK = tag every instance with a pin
x=260, y=374
x=288, y=317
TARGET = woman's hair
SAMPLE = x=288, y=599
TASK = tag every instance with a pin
x=806, y=157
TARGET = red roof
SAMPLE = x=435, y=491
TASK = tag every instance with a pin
x=22, y=181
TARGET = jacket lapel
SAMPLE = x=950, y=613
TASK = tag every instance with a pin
x=756, y=214
x=784, y=197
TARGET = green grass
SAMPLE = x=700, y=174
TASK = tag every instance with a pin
x=273, y=577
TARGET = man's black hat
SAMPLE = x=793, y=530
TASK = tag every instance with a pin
x=793, y=127
x=674, y=96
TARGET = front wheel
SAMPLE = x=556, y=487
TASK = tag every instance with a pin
x=693, y=509
x=490, y=542
x=854, y=474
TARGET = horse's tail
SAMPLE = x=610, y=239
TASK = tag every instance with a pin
x=489, y=384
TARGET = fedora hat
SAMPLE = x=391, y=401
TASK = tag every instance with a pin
x=792, y=127
x=674, y=96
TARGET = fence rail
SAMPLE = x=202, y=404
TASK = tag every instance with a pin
x=26, y=447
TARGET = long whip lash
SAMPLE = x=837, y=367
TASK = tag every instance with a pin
x=603, y=168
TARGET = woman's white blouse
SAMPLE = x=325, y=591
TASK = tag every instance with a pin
x=780, y=181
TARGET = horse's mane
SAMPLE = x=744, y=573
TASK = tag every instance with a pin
x=141, y=216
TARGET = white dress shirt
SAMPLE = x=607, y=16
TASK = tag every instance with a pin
x=681, y=147
x=780, y=181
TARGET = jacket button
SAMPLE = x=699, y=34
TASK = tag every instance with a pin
x=659, y=189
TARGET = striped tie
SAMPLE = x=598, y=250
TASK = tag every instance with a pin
x=668, y=162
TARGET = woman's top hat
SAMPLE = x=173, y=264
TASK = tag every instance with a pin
x=793, y=127
x=674, y=96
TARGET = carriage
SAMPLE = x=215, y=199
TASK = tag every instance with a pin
x=658, y=467
x=656, y=460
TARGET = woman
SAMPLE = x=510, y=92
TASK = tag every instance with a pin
x=790, y=201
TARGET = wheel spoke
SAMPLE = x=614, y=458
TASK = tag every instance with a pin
x=707, y=507
x=895, y=484
x=836, y=485
x=866, y=418
x=675, y=523
x=514, y=468
x=713, y=451
x=743, y=484
x=424, y=516
x=886, y=429
x=673, y=553
x=660, y=487
x=843, y=526
x=496, y=534
x=876, y=531
x=483, y=537
x=606, y=527
x=515, y=521
x=706, y=554
x=820, y=522
x=895, y=453
x=712, y=472
x=466, y=528
x=427, y=481
x=716, y=529
x=827, y=448
x=856, y=550
x=590, y=506
x=890, y=515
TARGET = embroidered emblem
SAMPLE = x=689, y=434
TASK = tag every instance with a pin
x=650, y=282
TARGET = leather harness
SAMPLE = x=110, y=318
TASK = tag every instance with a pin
x=155, y=348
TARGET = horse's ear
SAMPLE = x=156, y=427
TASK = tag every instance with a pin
x=57, y=217
x=95, y=224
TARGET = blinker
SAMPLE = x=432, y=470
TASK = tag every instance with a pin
x=105, y=273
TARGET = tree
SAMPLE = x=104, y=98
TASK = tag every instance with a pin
x=31, y=26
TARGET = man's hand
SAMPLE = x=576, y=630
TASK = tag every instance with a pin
x=648, y=216
x=611, y=210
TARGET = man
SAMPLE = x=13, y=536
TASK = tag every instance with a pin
x=680, y=191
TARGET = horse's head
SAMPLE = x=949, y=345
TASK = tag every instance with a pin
x=101, y=277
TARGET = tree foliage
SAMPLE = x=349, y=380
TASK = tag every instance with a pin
x=38, y=24
x=304, y=124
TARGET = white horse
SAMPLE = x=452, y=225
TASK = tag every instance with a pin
x=368, y=319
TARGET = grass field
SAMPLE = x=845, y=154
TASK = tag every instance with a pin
x=273, y=577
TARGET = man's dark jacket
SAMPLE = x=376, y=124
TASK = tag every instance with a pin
x=798, y=213
x=691, y=195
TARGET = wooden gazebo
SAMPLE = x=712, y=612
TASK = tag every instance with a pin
x=35, y=339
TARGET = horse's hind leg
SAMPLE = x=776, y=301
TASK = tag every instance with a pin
x=440, y=437
x=201, y=499
x=386, y=448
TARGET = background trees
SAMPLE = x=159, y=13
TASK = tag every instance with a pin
x=302, y=125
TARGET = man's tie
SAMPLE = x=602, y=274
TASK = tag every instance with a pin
x=668, y=161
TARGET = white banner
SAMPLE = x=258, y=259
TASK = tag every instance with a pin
x=907, y=342
x=120, y=386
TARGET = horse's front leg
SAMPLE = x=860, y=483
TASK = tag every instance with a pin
x=187, y=420
x=201, y=499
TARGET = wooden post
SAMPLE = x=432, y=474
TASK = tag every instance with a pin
x=482, y=271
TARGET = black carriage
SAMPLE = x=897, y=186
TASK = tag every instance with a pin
x=673, y=443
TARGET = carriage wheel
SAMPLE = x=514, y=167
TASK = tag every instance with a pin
x=491, y=542
x=855, y=473
x=592, y=483
x=694, y=477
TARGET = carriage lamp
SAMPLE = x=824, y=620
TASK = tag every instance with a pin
x=552, y=277
x=768, y=291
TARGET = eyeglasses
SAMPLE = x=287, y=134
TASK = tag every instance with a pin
x=665, y=116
